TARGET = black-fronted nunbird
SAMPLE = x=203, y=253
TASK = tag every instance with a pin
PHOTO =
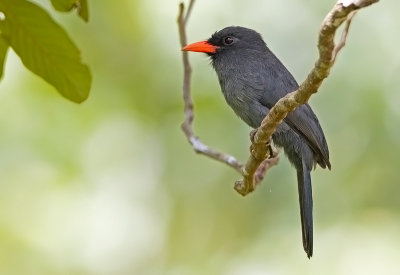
x=252, y=80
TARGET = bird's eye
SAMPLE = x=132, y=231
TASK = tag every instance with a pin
x=228, y=40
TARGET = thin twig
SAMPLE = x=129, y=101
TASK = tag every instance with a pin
x=187, y=99
x=187, y=128
x=326, y=46
x=189, y=11
x=343, y=38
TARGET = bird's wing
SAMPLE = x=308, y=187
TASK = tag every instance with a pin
x=304, y=122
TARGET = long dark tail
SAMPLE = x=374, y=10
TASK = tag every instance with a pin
x=306, y=206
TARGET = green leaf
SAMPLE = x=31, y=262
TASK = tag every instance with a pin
x=3, y=52
x=68, y=5
x=45, y=48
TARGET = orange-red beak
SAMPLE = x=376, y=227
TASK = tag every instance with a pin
x=202, y=46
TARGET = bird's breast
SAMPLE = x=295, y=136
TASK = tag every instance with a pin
x=244, y=100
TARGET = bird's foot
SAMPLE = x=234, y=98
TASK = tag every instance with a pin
x=252, y=134
x=271, y=153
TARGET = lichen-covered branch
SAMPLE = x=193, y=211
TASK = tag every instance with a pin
x=340, y=13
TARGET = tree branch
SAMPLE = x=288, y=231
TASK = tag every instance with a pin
x=343, y=38
x=327, y=54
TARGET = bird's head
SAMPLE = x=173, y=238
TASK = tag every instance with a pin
x=229, y=39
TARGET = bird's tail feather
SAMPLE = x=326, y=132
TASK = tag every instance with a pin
x=306, y=205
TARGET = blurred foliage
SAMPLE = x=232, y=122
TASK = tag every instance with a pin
x=111, y=186
x=44, y=47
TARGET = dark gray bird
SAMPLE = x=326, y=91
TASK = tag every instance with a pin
x=252, y=80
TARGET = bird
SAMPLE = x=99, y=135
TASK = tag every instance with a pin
x=252, y=80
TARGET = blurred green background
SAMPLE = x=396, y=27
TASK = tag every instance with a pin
x=111, y=186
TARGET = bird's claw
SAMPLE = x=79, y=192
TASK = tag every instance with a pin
x=252, y=134
x=270, y=152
